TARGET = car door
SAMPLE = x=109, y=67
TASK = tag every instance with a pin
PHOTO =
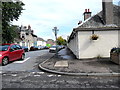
x=19, y=51
x=12, y=53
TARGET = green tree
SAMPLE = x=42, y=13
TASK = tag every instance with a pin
x=0, y=22
x=61, y=41
x=10, y=11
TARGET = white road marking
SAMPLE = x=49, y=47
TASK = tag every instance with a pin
x=33, y=72
x=0, y=72
x=40, y=72
x=59, y=75
x=22, y=61
x=37, y=75
x=49, y=75
x=14, y=75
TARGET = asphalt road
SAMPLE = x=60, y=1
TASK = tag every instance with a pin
x=30, y=63
x=49, y=80
x=26, y=74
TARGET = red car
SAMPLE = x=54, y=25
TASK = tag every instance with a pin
x=10, y=52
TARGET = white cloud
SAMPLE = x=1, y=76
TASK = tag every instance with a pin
x=43, y=15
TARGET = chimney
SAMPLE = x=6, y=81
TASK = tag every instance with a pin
x=107, y=6
x=29, y=27
x=79, y=22
x=87, y=14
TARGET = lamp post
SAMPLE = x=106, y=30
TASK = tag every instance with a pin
x=55, y=30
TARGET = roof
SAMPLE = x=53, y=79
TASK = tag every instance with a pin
x=96, y=23
x=97, y=20
x=40, y=39
x=92, y=29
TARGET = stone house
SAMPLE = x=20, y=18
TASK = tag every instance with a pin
x=28, y=38
x=105, y=25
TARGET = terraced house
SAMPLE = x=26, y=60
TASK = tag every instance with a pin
x=98, y=34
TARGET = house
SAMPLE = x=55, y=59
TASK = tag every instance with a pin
x=105, y=25
x=41, y=42
x=50, y=42
x=28, y=38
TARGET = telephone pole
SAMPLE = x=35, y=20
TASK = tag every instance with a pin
x=55, y=30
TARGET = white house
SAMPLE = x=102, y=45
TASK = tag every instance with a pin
x=105, y=24
x=41, y=42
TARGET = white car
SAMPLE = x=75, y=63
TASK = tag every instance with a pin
x=52, y=49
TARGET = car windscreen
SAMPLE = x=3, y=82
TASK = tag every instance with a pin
x=53, y=47
x=4, y=47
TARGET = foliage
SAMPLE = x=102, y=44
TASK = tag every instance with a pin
x=10, y=11
x=61, y=41
x=94, y=37
x=115, y=50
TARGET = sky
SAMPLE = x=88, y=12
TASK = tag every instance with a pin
x=44, y=15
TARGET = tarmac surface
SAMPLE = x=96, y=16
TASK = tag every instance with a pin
x=66, y=63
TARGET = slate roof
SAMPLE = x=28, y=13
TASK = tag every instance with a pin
x=97, y=20
x=40, y=39
x=97, y=23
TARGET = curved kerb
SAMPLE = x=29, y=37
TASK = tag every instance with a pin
x=78, y=74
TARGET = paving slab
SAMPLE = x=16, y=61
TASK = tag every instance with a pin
x=61, y=64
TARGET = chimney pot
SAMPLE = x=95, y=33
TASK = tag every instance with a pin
x=87, y=14
x=88, y=10
x=85, y=10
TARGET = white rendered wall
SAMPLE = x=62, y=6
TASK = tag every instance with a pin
x=94, y=48
x=73, y=46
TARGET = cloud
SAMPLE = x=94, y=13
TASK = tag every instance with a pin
x=43, y=15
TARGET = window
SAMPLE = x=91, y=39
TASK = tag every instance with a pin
x=13, y=48
x=18, y=47
x=4, y=47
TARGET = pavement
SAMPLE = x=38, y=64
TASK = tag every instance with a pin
x=67, y=64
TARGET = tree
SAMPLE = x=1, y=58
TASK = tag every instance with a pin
x=10, y=11
x=61, y=41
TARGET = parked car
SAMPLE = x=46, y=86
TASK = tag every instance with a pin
x=33, y=48
x=46, y=47
x=53, y=48
x=40, y=47
x=25, y=48
x=10, y=52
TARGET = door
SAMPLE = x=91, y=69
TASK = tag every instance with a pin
x=19, y=51
x=13, y=53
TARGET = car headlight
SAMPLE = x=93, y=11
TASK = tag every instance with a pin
x=0, y=55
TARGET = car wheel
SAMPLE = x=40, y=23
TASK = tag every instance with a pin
x=5, y=61
x=23, y=56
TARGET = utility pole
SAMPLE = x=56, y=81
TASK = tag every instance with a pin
x=55, y=30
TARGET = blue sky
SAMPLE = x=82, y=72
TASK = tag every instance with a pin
x=44, y=15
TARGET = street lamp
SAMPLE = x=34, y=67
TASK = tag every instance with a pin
x=55, y=30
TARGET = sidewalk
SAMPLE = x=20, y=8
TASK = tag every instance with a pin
x=67, y=64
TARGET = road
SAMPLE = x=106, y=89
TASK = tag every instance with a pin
x=26, y=74
x=30, y=63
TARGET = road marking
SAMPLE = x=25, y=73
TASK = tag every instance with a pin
x=50, y=75
x=22, y=61
x=36, y=75
x=14, y=75
x=59, y=75
x=40, y=72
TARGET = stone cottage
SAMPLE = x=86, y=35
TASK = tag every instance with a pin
x=28, y=38
x=105, y=26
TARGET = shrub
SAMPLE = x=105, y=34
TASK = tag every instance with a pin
x=94, y=37
x=115, y=50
